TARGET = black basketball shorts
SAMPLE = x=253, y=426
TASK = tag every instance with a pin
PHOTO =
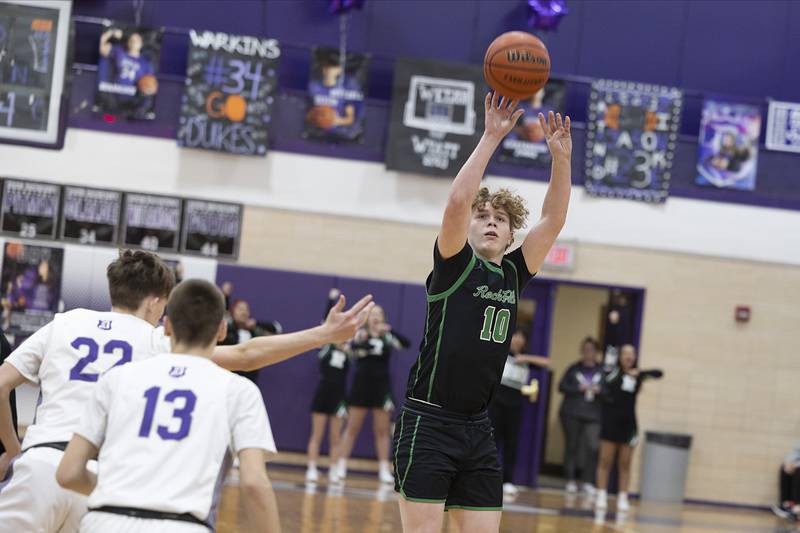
x=447, y=458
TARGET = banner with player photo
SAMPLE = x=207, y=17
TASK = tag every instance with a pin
x=437, y=116
x=227, y=103
x=30, y=209
x=630, y=139
x=525, y=145
x=783, y=127
x=336, y=96
x=126, y=72
x=728, y=154
x=31, y=281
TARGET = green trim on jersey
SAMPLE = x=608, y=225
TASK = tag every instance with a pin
x=491, y=266
x=516, y=274
x=438, y=347
x=400, y=438
x=457, y=284
x=410, y=453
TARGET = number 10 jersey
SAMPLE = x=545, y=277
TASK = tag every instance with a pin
x=67, y=356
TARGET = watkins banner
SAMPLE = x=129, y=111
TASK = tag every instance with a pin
x=227, y=103
x=783, y=127
x=126, y=72
x=336, y=96
x=437, y=116
x=630, y=140
x=728, y=153
x=525, y=144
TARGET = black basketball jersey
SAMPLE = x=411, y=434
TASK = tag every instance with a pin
x=471, y=316
x=372, y=356
x=333, y=363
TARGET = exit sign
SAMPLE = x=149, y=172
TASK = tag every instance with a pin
x=561, y=257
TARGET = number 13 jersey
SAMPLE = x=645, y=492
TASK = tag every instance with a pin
x=67, y=356
x=471, y=316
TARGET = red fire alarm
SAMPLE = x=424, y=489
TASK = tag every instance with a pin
x=742, y=314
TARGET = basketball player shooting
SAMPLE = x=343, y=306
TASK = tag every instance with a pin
x=445, y=455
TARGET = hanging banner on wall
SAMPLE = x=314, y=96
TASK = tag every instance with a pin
x=90, y=216
x=151, y=222
x=126, y=72
x=227, y=103
x=783, y=127
x=728, y=152
x=630, y=139
x=525, y=145
x=31, y=280
x=211, y=228
x=30, y=209
x=437, y=116
x=34, y=37
x=336, y=96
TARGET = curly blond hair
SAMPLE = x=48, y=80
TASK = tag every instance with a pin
x=504, y=199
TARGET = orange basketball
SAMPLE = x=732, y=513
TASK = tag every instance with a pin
x=516, y=65
x=148, y=85
x=235, y=108
x=323, y=117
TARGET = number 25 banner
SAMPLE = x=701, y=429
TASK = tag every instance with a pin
x=227, y=103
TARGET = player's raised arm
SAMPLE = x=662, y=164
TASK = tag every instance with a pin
x=259, y=352
x=500, y=119
x=554, y=209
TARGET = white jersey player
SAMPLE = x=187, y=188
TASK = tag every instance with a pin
x=66, y=357
x=162, y=430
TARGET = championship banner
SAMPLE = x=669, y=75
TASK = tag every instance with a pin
x=90, y=216
x=31, y=280
x=630, y=139
x=525, y=145
x=227, y=103
x=728, y=152
x=126, y=72
x=34, y=37
x=151, y=222
x=437, y=116
x=211, y=228
x=783, y=127
x=336, y=96
x=30, y=209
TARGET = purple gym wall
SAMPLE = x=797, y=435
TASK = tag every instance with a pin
x=753, y=45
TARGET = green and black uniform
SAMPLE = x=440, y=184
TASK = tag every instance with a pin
x=330, y=395
x=444, y=449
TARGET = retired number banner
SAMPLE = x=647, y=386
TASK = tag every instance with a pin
x=227, y=103
x=437, y=116
x=630, y=140
x=728, y=152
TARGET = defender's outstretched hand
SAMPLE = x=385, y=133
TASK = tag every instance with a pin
x=501, y=116
x=557, y=134
x=342, y=325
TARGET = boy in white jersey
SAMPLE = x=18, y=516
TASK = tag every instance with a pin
x=164, y=428
x=66, y=357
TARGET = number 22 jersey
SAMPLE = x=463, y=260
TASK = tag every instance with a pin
x=67, y=356
x=471, y=316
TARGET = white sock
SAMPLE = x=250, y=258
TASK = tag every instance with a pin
x=384, y=466
x=622, y=496
x=312, y=465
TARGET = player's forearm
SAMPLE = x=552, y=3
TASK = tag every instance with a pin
x=79, y=480
x=261, y=507
x=468, y=179
x=556, y=201
x=264, y=351
x=536, y=360
x=8, y=433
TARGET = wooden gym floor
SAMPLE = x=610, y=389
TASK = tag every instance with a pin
x=363, y=506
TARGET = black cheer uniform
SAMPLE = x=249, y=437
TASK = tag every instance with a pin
x=372, y=387
x=330, y=395
x=619, y=405
x=444, y=448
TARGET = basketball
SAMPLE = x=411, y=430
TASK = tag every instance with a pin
x=323, y=117
x=516, y=65
x=148, y=85
x=235, y=107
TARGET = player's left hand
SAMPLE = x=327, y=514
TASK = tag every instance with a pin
x=557, y=134
x=342, y=325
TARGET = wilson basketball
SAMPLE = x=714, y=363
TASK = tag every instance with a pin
x=148, y=85
x=516, y=65
x=323, y=117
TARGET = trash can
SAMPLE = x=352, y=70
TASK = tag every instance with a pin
x=664, y=466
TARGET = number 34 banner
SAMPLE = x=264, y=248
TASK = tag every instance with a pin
x=227, y=103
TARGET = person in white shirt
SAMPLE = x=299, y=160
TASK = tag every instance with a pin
x=66, y=357
x=163, y=429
